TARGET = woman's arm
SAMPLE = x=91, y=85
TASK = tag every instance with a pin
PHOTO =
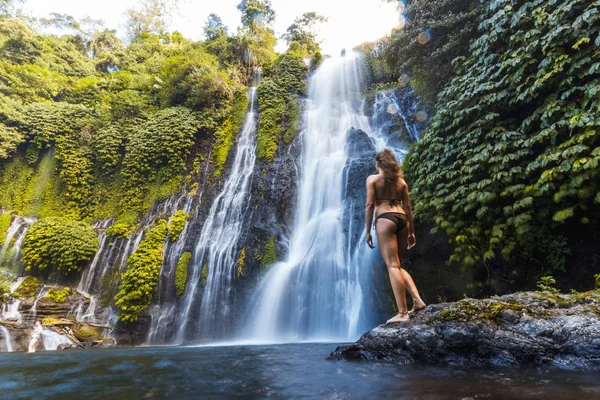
x=409, y=215
x=370, y=209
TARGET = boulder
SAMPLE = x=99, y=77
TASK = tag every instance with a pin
x=524, y=329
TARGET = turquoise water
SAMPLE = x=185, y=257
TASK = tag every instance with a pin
x=294, y=371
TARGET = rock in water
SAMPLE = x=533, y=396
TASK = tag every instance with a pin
x=524, y=329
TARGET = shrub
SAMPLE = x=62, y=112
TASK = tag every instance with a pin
x=5, y=220
x=58, y=244
x=118, y=230
x=182, y=272
x=514, y=149
x=27, y=288
x=141, y=278
x=278, y=118
x=59, y=295
x=547, y=284
x=177, y=224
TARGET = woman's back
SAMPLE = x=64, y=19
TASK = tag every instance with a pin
x=388, y=195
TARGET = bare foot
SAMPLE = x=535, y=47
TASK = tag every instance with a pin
x=417, y=306
x=400, y=317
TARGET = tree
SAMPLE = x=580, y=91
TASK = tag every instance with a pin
x=256, y=14
x=8, y=7
x=303, y=31
x=256, y=39
x=150, y=17
x=214, y=27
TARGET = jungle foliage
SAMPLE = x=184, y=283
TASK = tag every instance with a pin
x=139, y=282
x=58, y=245
x=510, y=163
x=428, y=64
x=278, y=102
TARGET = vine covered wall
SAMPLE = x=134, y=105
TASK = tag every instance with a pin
x=509, y=165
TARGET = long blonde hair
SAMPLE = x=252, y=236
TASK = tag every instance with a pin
x=389, y=165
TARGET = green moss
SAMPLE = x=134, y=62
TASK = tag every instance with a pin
x=269, y=256
x=182, y=272
x=86, y=333
x=278, y=104
x=58, y=244
x=5, y=282
x=141, y=278
x=292, y=121
x=27, y=288
x=14, y=180
x=204, y=275
x=241, y=262
x=118, y=230
x=59, y=295
x=109, y=286
x=226, y=133
x=50, y=321
x=466, y=310
x=5, y=220
x=38, y=185
x=176, y=224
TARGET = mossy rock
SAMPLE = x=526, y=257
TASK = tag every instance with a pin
x=56, y=322
x=466, y=310
x=27, y=288
x=59, y=295
x=86, y=333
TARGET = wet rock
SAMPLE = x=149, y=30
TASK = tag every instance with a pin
x=359, y=165
x=86, y=332
x=524, y=329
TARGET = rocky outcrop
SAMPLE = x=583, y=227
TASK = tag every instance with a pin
x=535, y=328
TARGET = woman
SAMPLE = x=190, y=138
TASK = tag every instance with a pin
x=36, y=336
x=394, y=226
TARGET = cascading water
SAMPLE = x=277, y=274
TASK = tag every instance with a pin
x=10, y=252
x=163, y=313
x=217, y=247
x=52, y=340
x=10, y=311
x=97, y=267
x=8, y=346
x=317, y=294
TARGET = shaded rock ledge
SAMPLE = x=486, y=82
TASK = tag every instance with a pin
x=523, y=329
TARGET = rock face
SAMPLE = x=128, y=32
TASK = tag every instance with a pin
x=534, y=328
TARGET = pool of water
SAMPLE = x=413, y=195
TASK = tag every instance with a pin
x=292, y=371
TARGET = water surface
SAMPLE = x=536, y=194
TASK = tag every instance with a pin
x=292, y=371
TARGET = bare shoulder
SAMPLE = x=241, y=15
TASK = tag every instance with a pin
x=372, y=178
x=402, y=183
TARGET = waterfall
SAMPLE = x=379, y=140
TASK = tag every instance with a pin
x=10, y=311
x=52, y=339
x=10, y=251
x=163, y=313
x=396, y=130
x=7, y=338
x=97, y=267
x=217, y=247
x=33, y=310
x=317, y=293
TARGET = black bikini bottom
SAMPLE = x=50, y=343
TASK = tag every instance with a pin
x=397, y=218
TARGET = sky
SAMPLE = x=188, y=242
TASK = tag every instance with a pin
x=351, y=22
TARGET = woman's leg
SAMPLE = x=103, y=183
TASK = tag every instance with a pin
x=402, y=241
x=386, y=236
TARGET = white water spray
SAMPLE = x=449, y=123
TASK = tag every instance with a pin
x=217, y=245
x=317, y=293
